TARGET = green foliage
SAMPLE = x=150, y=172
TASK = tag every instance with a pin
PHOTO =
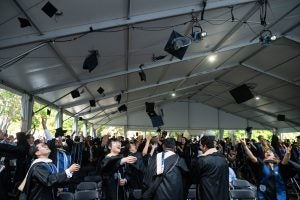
x=112, y=130
x=68, y=123
x=37, y=117
x=237, y=135
x=10, y=111
x=266, y=133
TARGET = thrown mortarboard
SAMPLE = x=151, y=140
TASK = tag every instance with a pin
x=49, y=9
x=177, y=45
x=93, y=103
x=48, y=112
x=59, y=132
x=91, y=62
x=122, y=108
x=100, y=90
x=24, y=22
x=75, y=93
x=118, y=98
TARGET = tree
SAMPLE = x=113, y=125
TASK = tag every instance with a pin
x=10, y=110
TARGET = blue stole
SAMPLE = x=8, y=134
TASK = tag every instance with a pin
x=63, y=160
x=50, y=168
x=76, y=153
x=279, y=183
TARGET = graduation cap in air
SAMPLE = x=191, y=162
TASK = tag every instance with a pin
x=75, y=93
x=100, y=90
x=118, y=98
x=93, y=103
x=122, y=108
x=49, y=9
x=48, y=112
x=91, y=62
x=177, y=45
x=24, y=22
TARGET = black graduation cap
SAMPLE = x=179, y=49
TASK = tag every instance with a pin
x=75, y=93
x=49, y=9
x=48, y=112
x=177, y=45
x=80, y=118
x=93, y=103
x=122, y=108
x=100, y=90
x=24, y=22
x=91, y=62
x=118, y=98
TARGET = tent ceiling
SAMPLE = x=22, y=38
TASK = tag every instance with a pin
x=46, y=59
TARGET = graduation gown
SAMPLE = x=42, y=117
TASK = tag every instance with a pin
x=111, y=170
x=20, y=152
x=172, y=185
x=211, y=174
x=134, y=172
x=42, y=180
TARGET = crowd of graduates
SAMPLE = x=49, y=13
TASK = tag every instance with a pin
x=159, y=166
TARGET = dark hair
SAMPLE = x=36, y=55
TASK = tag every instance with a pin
x=32, y=150
x=76, y=138
x=169, y=143
x=21, y=138
x=208, y=141
x=112, y=140
x=28, y=136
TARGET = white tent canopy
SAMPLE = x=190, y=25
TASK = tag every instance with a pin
x=45, y=60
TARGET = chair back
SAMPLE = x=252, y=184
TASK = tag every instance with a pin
x=240, y=184
x=242, y=194
x=87, y=186
x=65, y=196
x=87, y=195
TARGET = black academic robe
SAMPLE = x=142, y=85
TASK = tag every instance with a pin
x=173, y=182
x=41, y=182
x=211, y=175
x=111, y=169
x=21, y=153
x=134, y=172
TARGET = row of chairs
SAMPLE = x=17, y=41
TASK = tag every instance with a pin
x=87, y=190
x=80, y=195
x=242, y=189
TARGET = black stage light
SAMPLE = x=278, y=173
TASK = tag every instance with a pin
x=118, y=98
x=142, y=75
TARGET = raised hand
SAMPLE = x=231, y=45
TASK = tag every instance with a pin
x=288, y=149
x=44, y=123
x=243, y=142
x=149, y=137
